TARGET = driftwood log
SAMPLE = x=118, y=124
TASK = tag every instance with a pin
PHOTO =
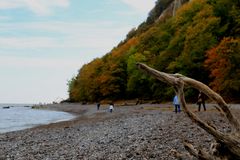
x=227, y=145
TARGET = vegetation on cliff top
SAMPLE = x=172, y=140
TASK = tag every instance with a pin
x=201, y=41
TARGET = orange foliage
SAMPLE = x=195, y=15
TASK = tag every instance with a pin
x=125, y=47
x=222, y=61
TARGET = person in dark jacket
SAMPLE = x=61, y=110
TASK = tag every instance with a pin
x=201, y=101
x=98, y=105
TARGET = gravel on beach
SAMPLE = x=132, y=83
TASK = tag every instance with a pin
x=130, y=132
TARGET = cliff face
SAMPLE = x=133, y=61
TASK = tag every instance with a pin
x=171, y=9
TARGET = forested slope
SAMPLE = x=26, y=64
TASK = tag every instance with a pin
x=200, y=40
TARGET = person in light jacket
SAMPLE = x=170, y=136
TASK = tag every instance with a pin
x=111, y=108
x=176, y=104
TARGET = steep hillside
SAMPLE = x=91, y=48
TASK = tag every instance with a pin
x=199, y=39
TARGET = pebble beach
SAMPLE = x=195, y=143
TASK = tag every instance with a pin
x=147, y=131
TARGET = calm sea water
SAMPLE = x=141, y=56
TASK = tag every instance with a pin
x=19, y=117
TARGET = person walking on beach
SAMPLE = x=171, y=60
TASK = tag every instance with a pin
x=201, y=100
x=98, y=105
x=111, y=108
x=176, y=104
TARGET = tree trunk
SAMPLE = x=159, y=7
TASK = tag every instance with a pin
x=230, y=142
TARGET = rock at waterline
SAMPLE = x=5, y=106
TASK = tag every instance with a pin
x=6, y=107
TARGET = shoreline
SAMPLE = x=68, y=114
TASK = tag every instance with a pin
x=89, y=114
x=147, y=131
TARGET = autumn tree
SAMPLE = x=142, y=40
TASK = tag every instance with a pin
x=177, y=44
x=223, y=62
x=113, y=79
x=74, y=94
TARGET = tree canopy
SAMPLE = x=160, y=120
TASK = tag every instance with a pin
x=201, y=41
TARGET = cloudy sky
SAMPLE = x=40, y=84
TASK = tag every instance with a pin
x=43, y=43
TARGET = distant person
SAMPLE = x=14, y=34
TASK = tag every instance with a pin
x=176, y=104
x=201, y=100
x=111, y=107
x=137, y=102
x=98, y=106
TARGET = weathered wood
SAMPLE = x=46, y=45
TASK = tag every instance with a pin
x=231, y=141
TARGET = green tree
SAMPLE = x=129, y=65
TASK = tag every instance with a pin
x=199, y=35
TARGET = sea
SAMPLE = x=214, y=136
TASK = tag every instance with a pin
x=14, y=117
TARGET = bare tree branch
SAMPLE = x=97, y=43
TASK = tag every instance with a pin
x=199, y=153
x=172, y=79
x=232, y=141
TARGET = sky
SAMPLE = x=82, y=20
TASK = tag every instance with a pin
x=43, y=43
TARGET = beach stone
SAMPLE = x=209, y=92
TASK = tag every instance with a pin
x=129, y=133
